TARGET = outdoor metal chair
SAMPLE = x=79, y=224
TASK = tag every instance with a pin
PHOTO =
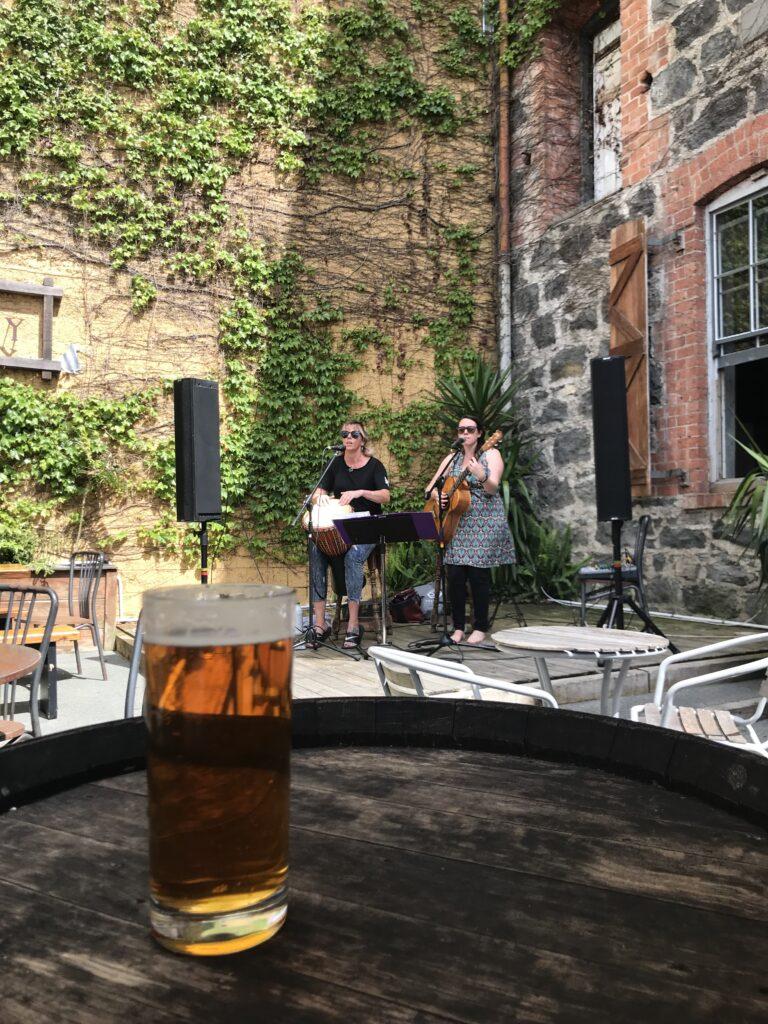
x=85, y=569
x=631, y=575
x=716, y=724
x=400, y=674
x=28, y=617
x=133, y=668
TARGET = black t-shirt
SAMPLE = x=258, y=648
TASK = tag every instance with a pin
x=370, y=477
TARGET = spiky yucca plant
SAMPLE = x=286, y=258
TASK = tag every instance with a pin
x=479, y=389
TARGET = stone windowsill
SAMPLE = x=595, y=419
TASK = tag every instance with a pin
x=718, y=496
x=727, y=486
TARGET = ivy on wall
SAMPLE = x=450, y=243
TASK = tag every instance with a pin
x=136, y=124
x=55, y=451
x=528, y=19
x=133, y=122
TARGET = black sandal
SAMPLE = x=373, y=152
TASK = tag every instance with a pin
x=352, y=640
x=319, y=635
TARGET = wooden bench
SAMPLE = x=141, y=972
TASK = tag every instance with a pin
x=33, y=638
x=718, y=724
x=710, y=723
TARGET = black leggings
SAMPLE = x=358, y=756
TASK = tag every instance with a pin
x=480, y=585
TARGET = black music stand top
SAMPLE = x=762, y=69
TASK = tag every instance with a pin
x=393, y=528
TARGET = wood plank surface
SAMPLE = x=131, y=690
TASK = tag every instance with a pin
x=426, y=886
x=581, y=639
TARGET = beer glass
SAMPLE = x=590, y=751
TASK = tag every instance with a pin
x=218, y=712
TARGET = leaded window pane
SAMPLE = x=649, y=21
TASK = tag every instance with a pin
x=733, y=239
x=734, y=304
x=761, y=228
x=761, y=285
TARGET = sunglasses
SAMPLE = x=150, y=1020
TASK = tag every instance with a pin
x=467, y=430
x=351, y=433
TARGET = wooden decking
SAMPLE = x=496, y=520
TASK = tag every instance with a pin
x=328, y=673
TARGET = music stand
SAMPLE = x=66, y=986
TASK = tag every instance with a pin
x=387, y=529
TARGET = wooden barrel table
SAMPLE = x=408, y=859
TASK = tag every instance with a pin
x=451, y=861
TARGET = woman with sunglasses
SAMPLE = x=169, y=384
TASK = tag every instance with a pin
x=483, y=539
x=358, y=479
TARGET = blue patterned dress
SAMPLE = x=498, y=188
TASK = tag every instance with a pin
x=483, y=537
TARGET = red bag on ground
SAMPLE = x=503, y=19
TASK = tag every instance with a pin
x=405, y=606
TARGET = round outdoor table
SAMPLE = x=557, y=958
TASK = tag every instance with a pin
x=444, y=881
x=16, y=661
x=607, y=647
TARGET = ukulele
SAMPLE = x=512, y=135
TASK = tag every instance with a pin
x=459, y=495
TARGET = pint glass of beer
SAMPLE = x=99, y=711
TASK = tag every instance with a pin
x=218, y=711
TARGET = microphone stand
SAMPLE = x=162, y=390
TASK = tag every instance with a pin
x=308, y=639
x=436, y=644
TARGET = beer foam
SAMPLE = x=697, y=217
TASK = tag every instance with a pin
x=218, y=616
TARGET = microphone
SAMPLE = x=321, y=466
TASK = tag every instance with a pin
x=334, y=447
x=457, y=444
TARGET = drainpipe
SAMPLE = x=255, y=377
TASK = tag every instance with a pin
x=505, y=264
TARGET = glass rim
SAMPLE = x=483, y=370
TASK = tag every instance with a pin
x=224, y=614
x=231, y=591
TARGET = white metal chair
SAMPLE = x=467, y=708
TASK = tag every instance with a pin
x=134, y=668
x=400, y=675
x=711, y=723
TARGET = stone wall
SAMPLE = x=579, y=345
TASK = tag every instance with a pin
x=694, y=123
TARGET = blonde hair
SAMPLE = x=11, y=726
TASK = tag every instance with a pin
x=367, y=449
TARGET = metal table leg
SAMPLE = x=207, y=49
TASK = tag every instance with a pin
x=618, y=688
x=541, y=668
x=49, y=704
x=606, y=686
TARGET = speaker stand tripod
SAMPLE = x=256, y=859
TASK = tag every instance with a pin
x=613, y=614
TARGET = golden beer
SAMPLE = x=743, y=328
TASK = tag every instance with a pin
x=219, y=722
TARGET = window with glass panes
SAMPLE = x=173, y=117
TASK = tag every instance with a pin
x=739, y=274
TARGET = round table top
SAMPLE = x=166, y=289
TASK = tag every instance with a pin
x=16, y=661
x=581, y=640
x=426, y=885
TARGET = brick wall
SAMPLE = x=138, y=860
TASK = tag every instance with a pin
x=694, y=123
x=547, y=127
x=644, y=53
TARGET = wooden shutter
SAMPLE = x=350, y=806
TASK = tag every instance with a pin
x=628, y=315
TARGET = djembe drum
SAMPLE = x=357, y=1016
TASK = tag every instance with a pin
x=326, y=536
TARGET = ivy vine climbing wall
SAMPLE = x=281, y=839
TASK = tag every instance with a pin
x=294, y=198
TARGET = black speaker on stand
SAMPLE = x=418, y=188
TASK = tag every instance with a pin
x=198, y=457
x=613, y=483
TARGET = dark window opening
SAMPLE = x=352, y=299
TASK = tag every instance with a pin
x=748, y=385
